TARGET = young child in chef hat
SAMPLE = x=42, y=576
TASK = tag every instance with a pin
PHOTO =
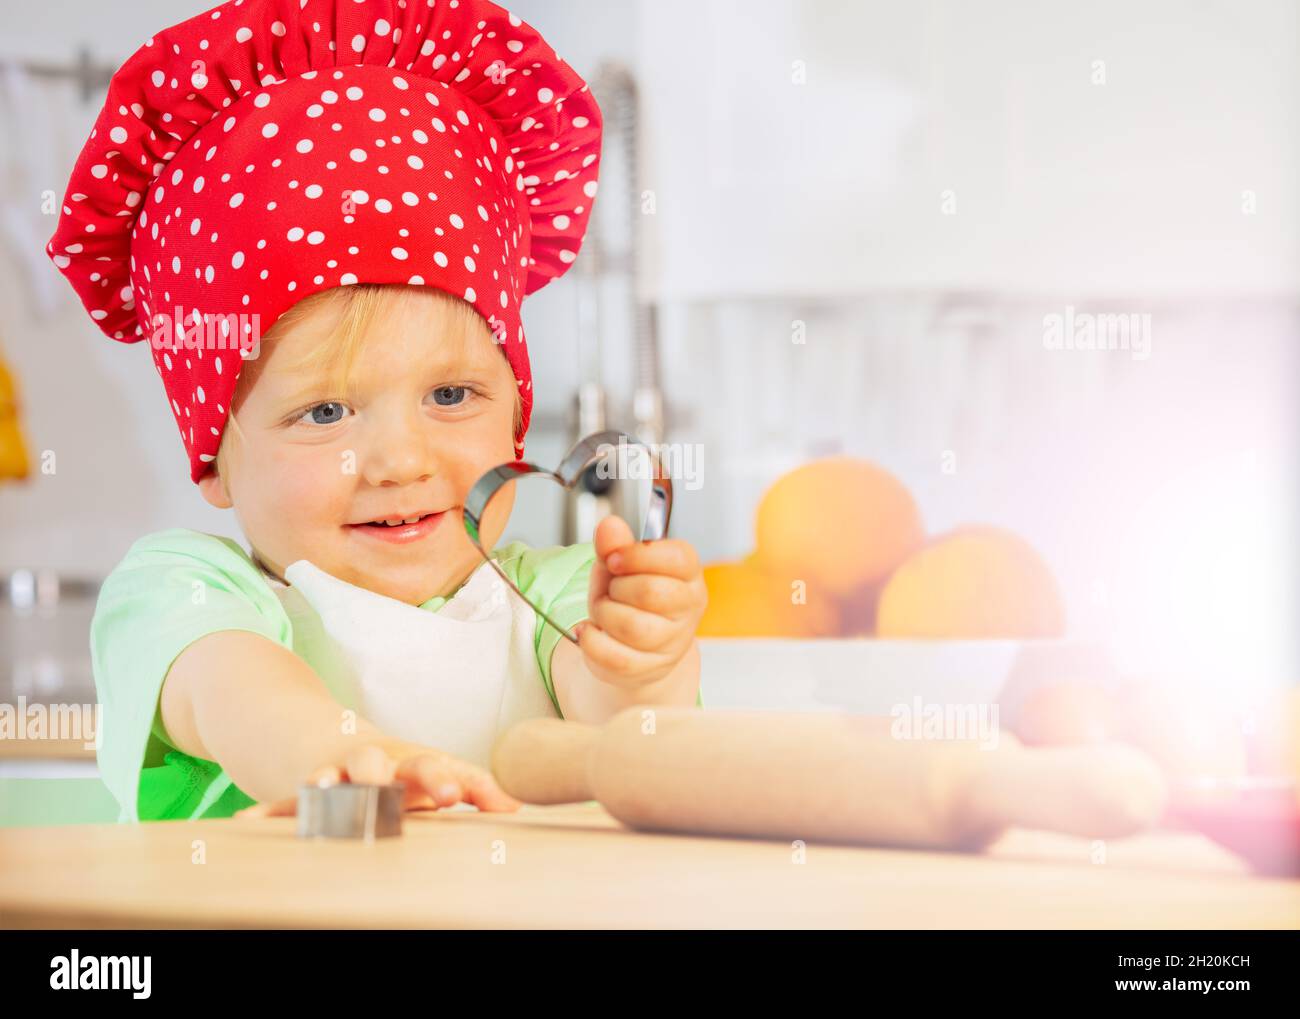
x=322, y=217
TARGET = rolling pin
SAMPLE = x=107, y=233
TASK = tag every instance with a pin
x=828, y=777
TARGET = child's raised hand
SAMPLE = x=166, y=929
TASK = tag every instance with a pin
x=432, y=778
x=645, y=601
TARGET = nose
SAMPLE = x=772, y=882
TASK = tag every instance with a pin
x=399, y=451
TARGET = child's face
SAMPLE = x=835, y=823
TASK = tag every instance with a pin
x=425, y=413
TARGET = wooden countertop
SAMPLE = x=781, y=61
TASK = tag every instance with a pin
x=575, y=866
x=46, y=750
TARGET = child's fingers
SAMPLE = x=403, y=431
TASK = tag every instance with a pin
x=613, y=656
x=482, y=790
x=663, y=596
x=329, y=774
x=449, y=781
x=370, y=765
x=432, y=779
x=612, y=533
x=428, y=777
x=670, y=557
x=633, y=626
x=597, y=584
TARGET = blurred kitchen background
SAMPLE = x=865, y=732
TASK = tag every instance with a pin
x=823, y=228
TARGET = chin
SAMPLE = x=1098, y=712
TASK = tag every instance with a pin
x=411, y=573
x=418, y=580
x=390, y=585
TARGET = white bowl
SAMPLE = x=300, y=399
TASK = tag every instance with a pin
x=867, y=676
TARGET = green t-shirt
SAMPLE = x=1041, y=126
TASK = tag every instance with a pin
x=176, y=586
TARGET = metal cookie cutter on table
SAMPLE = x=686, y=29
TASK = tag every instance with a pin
x=350, y=810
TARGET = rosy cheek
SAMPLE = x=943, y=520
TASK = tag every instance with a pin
x=474, y=457
x=307, y=484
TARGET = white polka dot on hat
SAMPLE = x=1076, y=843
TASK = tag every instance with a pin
x=269, y=149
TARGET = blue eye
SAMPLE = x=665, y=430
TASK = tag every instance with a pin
x=449, y=396
x=325, y=413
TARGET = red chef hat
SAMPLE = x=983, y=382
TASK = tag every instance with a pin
x=269, y=149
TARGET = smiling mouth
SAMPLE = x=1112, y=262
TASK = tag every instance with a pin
x=402, y=530
x=396, y=521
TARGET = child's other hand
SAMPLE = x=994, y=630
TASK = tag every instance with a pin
x=645, y=601
x=432, y=778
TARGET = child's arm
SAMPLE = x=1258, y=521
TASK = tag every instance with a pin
x=260, y=711
x=645, y=601
x=584, y=697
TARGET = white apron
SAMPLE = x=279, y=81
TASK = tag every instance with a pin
x=453, y=679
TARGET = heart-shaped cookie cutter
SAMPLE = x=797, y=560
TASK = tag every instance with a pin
x=585, y=452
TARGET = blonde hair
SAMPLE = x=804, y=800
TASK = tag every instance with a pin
x=361, y=303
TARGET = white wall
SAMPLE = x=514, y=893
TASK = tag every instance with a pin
x=1128, y=188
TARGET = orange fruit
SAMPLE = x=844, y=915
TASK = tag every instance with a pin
x=975, y=583
x=838, y=524
x=814, y=610
x=744, y=601
x=858, y=610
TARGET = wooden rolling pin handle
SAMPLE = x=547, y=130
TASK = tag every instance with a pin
x=546, y=760
x=1089, y=791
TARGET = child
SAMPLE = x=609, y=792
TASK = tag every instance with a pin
x=378, y=184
